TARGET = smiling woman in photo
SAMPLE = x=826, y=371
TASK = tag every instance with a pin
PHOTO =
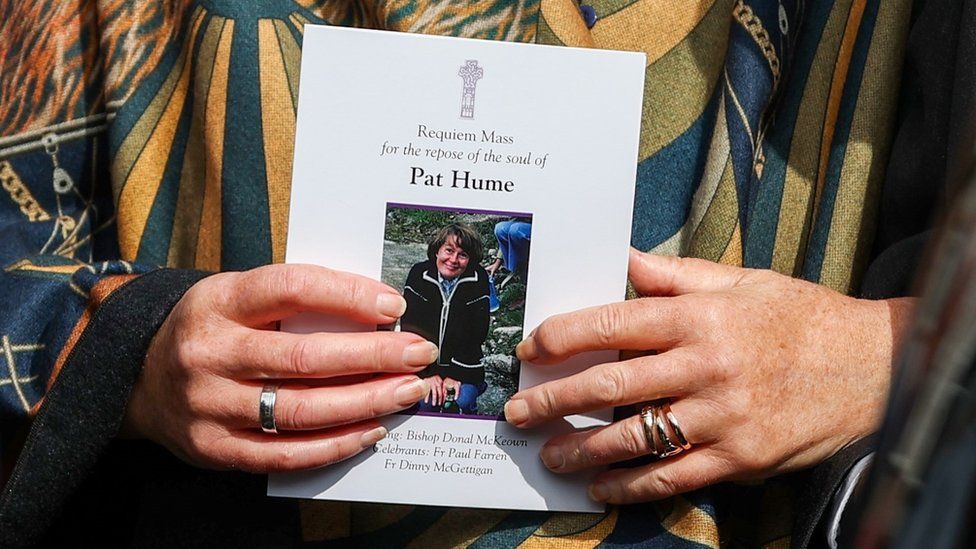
x=447, y=303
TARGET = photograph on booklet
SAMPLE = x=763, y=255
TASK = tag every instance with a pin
x=464, y=275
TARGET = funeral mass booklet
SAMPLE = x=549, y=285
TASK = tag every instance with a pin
x=492, y=185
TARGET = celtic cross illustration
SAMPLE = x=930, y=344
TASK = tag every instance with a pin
x=470, y=72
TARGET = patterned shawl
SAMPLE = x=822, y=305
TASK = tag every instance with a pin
x=142, y=134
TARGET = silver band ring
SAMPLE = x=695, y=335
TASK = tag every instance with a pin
x=266, y=408
x=662, y=432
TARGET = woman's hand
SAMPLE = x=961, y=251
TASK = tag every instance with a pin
x=495, y=265
x=436, y=395
x=452, y=384
x=199, y=391
x=765, y=374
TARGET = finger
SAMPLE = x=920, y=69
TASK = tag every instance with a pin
x=273, y=292
x=303, y=408
x=685, y=472
x=658, y=275
x=259, y=354
x=438, y=390
x=619, y=441
x=257, y=452
x=668, y=375
x=636, y=325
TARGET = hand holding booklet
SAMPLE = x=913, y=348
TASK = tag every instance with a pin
x=492, y=184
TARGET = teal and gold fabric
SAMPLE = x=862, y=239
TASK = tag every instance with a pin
x=135, y=135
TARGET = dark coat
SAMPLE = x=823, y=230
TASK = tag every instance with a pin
x=457, y=322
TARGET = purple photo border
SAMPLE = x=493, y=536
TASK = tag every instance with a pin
x=401, y=205
x=455, y=210
x=451, y=416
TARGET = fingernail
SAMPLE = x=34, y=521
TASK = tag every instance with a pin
x=599, y=492
x=421, y=353
x=372, y=437
x=516, y=411
x=526, y=350
x=411, y=392
x=391, y=305
x=552, y=456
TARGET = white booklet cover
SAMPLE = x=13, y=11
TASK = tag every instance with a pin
x=527, y=152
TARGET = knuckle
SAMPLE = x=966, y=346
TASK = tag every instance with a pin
x=745, y=403
x=634, y=441
x=608, y=387
x=673, y=267
x=719, y=366
x=210, y=297
x=251, y=462
x=553, y=337
x=191, y=300
x=184, y=353
x=545, y=340
x=247, y=343
x=649, y=307
x=727, y=465
x=675, y=262
x=215, y=292
x=668, y=318
x=666, y=483
x=356, y=293
x=333, y=453
x=212, y=349
x=199, y=403
x=587, y=454
x=291, y=283
x=758, y=276
x=547, y=402
x=711, y=314
x=202, y=290
x=236, y=409
x=296, y=415
x=742, y=457
x=750, y=460
x=190, y=353
x=608, y=322
x=242, y=350
x=283, y=458
x=300, y=361
x=371, y=405
x=379, y=354
x=248, y=463
x=695, y=264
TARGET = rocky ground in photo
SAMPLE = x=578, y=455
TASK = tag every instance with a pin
x=397, y=260
x=502, y=374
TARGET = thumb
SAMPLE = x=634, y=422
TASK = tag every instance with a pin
x=658, y=275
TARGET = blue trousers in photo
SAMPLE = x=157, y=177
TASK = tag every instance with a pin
x=513, y=243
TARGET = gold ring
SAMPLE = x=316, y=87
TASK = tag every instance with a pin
x=661, y=430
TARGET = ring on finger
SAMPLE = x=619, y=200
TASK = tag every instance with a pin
x=266, y=408
x=661, y=430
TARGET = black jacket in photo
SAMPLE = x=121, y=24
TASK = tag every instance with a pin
x=457, y=322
